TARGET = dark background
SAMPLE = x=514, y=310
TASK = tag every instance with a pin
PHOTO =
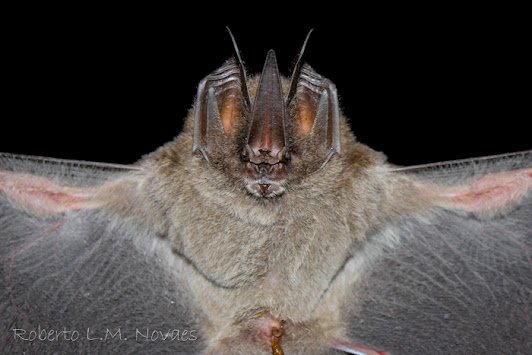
x=112, y=88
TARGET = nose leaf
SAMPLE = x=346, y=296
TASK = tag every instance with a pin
x=267, y=133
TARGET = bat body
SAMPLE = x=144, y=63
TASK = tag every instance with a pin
x=266, y=227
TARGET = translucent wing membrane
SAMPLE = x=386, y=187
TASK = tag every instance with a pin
x=78, y=173
x=84, y=279
x=445, y=281
x=458, y=170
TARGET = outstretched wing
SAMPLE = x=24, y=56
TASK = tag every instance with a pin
x=451, y=281
x=72, y=172
x=459, y=171
x=83, y=280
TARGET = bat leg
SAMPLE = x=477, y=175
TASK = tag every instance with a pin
x=352, y=348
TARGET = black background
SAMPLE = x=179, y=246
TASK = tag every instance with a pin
x=112, y=88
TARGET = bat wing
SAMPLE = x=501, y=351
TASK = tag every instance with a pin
x=450, y=281
x=86, y=281
x=72, y=172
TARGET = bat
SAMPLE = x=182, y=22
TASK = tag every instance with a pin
x=266, y=227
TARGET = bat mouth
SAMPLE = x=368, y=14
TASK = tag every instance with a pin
x=265, y=188
x=265, y=180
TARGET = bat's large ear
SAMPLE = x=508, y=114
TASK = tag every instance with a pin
x=221, y=100
x=313, y=103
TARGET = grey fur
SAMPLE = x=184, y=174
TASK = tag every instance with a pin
x=357, y=248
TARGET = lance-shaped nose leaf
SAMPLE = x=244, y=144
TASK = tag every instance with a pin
x=267, y=135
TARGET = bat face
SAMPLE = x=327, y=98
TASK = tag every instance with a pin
x=290, y=129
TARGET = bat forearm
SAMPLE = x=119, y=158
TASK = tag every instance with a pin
x=488, y=195
x=44, y=197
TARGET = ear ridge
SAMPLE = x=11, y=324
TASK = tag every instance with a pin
x=317, y=112
x=218, y=106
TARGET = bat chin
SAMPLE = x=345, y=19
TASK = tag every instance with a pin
x=265, y=188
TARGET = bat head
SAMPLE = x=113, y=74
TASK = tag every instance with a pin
x=290, y=129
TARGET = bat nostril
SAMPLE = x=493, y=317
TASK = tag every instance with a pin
x=264, y=151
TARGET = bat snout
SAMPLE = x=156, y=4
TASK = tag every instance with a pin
x=265, y=180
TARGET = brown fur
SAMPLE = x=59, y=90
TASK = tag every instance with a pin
x=247, y=255
x=280, y=255
x=294, y=257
